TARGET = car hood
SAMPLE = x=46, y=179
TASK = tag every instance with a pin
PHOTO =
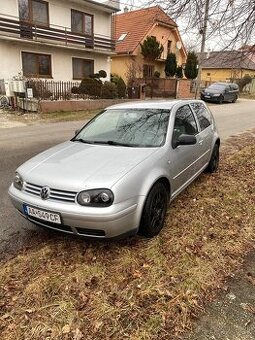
x=76, y=166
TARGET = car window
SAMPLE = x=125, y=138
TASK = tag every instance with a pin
x=184, y=122
x=203, y=115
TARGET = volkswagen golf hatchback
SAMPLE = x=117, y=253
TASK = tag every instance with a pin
x=118, y=174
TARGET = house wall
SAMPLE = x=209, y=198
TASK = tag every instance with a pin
x=212, y=75
x=60, y=14
x=162, y=34
x=61, y=59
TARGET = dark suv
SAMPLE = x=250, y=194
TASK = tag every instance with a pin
x=221, y=92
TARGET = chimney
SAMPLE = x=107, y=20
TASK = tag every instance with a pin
x=126, y=9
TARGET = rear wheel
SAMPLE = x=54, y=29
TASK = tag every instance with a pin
x=154, y=211
x=214, y=161
x=221, y=99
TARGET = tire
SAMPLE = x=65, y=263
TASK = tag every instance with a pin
x=221, y=100
x=154, y=211
x=234, y=100
x=214, y=161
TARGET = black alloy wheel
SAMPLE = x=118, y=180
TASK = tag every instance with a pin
x=154, y=212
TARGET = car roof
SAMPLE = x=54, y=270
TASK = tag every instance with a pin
x=152, y=104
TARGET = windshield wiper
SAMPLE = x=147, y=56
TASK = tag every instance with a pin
x=112, y=142
x=83, y=141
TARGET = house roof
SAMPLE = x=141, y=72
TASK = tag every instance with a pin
x=226, y=59
x=136, y=25
x=108, y=6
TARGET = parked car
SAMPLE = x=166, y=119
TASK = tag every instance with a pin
x=118, y=174
x=221, y=92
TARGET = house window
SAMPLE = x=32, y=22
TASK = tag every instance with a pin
x=34, y=12
x=82, y=22
x=82, y=68
x=148, y=71
x=169, y=47
x=36, y=65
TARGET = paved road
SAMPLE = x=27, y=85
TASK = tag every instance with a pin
x=20, y=143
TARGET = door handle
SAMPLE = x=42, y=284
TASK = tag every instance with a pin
x=200, y=142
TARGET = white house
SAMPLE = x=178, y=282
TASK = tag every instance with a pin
x=56, y=39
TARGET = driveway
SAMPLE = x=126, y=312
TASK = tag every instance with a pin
x=18, y=144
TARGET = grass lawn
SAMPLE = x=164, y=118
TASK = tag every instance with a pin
x=68, y=288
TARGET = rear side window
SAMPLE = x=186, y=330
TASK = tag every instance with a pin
x=203, y=115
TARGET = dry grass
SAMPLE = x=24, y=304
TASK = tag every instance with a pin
x=35, y=118
x=138, y=288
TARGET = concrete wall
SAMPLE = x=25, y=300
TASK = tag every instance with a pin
x=78, y=105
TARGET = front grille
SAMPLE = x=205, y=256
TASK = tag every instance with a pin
x=55, y=194
x=90, y=232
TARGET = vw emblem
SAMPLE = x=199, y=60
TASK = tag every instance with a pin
x=45, y=193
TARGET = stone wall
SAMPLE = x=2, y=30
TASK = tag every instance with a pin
x=77, y=105
x=183, y=90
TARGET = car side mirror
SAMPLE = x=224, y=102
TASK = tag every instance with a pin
x=185, y=140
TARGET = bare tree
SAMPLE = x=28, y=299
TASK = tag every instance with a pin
x=230, y=22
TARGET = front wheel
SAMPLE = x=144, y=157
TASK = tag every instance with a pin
x=234, y=100
x=154, y=211
x=214, y=161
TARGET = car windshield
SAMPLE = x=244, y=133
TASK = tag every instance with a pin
x=216, y=87
x=127, y=127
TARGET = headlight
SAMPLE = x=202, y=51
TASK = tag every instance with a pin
x=18, y=181
x=95, y=198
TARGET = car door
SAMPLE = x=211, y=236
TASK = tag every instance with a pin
x=228, y=93
x=183, y=158
x=205, y=135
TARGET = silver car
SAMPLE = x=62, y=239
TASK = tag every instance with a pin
x=118, y=174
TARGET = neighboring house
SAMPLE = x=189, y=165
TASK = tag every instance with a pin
x=131, y=29
x=54, y=39
x=226, y=65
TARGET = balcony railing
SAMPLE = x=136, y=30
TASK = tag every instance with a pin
x=63, y=35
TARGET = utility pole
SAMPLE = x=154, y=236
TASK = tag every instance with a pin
x=203, y=32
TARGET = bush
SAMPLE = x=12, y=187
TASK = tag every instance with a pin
x=75, y=90
x=121, y=86
x=244, y=81
x=179, y=72
x=91, y=86
x=171, y=65
x=156, y=74
x=109, y=90
x=191, y=67
x=102, y=74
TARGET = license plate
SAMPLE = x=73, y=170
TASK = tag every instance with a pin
x=207, y=96
x=43, y=215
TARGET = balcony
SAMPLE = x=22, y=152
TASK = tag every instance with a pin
x=62, y=36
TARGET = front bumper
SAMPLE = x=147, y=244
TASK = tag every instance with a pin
x=110, y=222
x=210, y=99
